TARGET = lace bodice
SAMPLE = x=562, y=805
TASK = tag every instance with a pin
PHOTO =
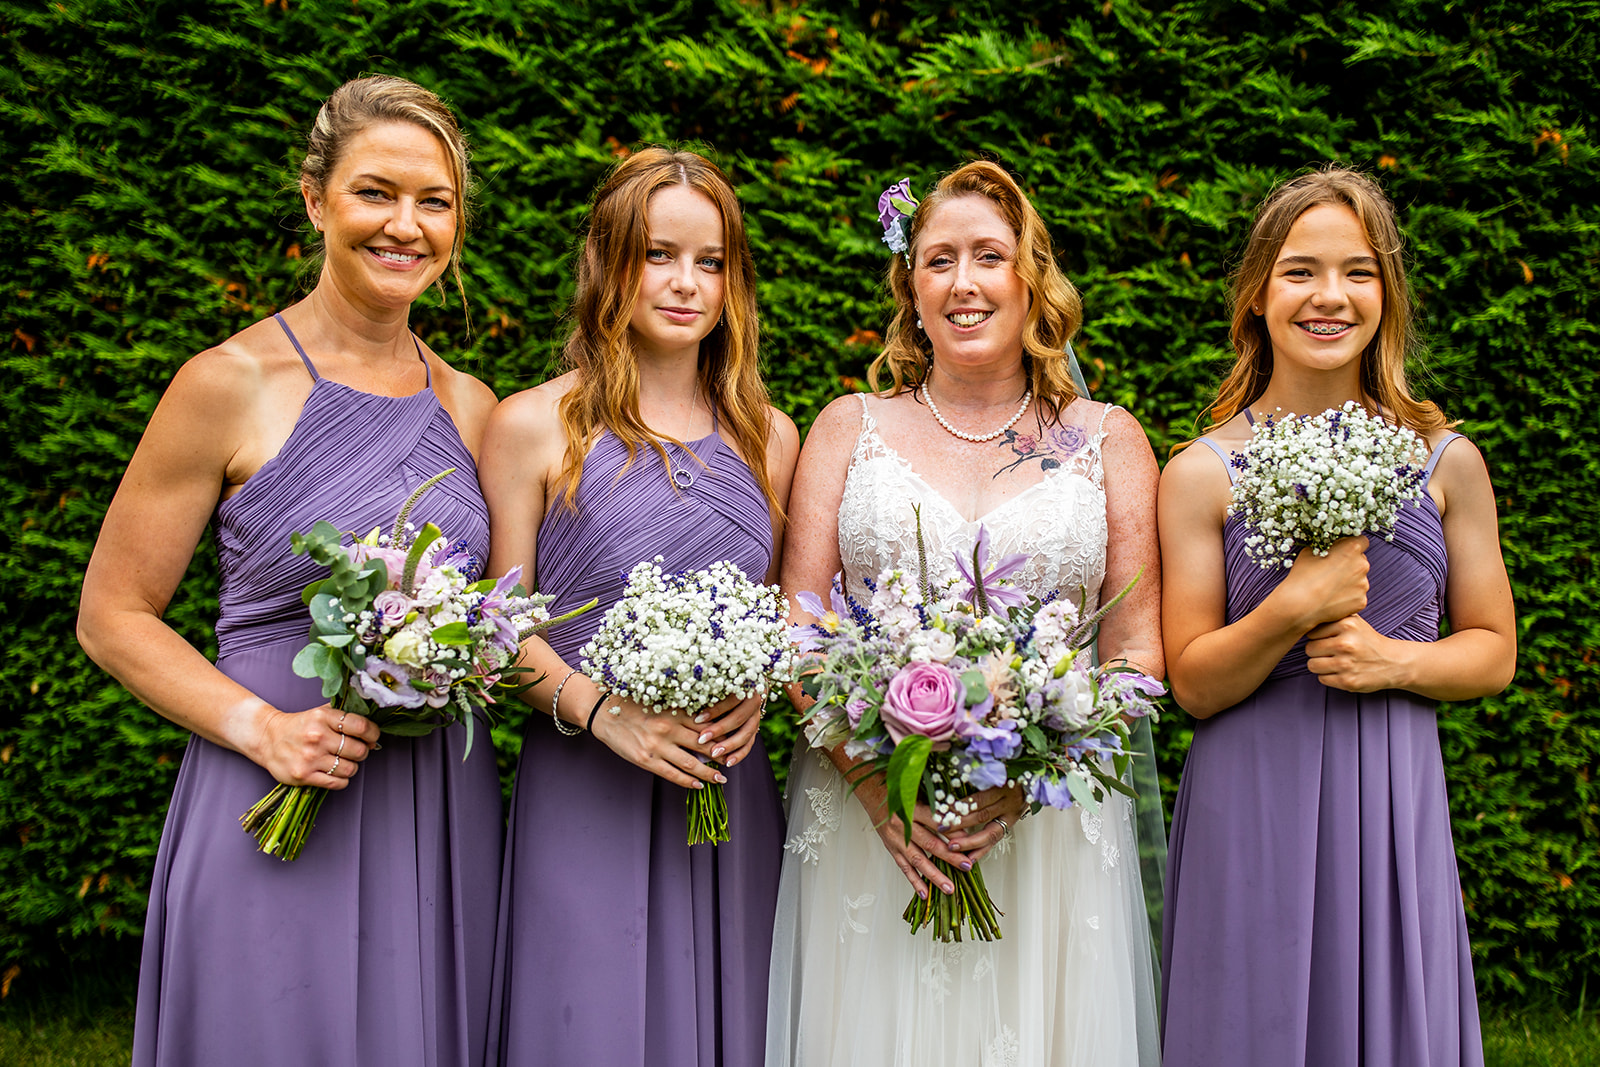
x=1059, y=523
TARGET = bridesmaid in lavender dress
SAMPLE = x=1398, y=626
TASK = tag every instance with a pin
x=620, y=944
x=1314, y=912
x=375, y=946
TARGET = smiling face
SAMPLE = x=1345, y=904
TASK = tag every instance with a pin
x=387, y=215
x=972, y=302
x=1323, y=299
x=681, y=279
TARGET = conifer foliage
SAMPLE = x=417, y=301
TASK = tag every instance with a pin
x=148, y=201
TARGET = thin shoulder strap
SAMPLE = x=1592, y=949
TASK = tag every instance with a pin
x=296, y=342
x=1251, y=419
x=1433, y=459
x=1227, y=461
x=1104, y=414
x=426, y=370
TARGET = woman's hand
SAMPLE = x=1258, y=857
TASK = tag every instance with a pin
x=1349, y=654
x=998, y=810
x=1328, y=588
x=731, y=727
x=322, y=746
x=665, y=745
x=915, y=859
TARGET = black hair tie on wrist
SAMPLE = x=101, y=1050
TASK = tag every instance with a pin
x=604, y=693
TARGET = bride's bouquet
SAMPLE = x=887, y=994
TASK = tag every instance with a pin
x=401, y=634
x=1305, y=481
x=948, y=690
x=682, y=642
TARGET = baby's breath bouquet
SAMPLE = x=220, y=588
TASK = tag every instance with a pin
x=682, y=642
x=949, y=689
x=1307, y=480
x=403, y=635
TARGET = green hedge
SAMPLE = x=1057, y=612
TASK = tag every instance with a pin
x=149, y=212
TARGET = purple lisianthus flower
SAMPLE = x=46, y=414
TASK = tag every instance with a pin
x=922, y=698
x=969, y=720
x=987, y=774
x=386, y=685
x=973, y=571
x=854, y=708
x=391, y=606
x=1052, y=794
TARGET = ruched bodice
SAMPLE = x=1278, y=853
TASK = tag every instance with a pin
x=396, y=443
x=624, y=517
x=1407, y=574
x=619, y=942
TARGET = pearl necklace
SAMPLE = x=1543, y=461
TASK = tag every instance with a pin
x=1027, y=398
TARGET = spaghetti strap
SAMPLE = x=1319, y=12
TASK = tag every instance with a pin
x=296, y=342
x=1433, y=459
x=427, y=370
x=1227, y=461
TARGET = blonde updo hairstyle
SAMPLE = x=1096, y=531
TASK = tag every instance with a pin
x=380, y=98
x=1383, y=363
x=1054, y=309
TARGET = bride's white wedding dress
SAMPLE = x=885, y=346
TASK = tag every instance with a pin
x=1071, y=982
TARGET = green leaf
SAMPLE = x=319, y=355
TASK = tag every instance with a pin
x=1081, y=792
x=977, y=687
x=904, y=775
x=1035, y=738
x=409, y=728
x=453, y=633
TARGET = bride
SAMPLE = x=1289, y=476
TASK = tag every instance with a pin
x=981, y=427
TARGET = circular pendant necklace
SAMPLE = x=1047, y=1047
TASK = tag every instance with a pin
x=927, y=394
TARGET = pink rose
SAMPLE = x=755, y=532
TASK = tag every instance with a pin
x=925, y=699
x=392, y=607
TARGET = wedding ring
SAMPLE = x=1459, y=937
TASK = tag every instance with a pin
x=340, y=749
x=333, y=772
x=1005, y=831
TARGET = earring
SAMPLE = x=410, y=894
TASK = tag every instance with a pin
x=919, y=323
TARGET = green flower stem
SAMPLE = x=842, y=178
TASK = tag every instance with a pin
x=708, y=814
x=282, y=820
x=952, y=914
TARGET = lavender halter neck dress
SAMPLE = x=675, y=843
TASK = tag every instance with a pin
x=620, y=945
x=375, y=946
x=1314, y=912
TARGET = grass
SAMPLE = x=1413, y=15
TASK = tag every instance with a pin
x=95, y=1029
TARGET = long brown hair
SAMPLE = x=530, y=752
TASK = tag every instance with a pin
x=365, y=102
x=1054, y=313
x=600, y=351
x=1383, y=363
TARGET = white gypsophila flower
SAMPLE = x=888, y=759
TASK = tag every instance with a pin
x=686, y=641
x=1307, y=481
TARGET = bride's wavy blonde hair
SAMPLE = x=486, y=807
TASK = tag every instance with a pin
x=1055, y=310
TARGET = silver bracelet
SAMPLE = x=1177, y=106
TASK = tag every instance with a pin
x=555, y=705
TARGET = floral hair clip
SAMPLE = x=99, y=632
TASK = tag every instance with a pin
x=895, y=207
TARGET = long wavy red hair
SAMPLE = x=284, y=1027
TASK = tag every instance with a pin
x=599, y=349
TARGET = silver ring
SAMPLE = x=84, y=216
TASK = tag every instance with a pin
x=339, y=726
x=333, y=772
x=1005, y=830
x=337, y=751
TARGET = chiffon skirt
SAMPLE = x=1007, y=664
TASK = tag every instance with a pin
x=1070, y=984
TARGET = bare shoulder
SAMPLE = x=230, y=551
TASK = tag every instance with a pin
x=1196, y=470
x=839, y=422
x=237, y=374
x=783, y=433
x=532, y=416
x=1120, y=424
